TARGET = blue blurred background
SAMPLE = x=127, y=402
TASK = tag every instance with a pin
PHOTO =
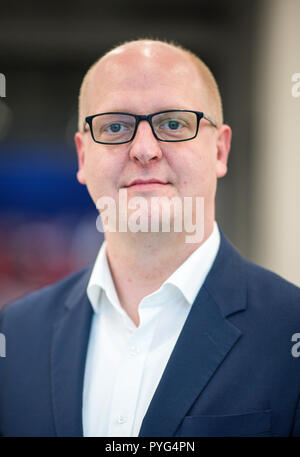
x=47, y=219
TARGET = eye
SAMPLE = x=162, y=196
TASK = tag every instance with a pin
x=115, y=128
x=171, y=124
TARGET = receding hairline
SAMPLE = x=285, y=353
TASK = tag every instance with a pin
x=205, y=74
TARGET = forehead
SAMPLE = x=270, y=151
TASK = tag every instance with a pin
x=145, y=79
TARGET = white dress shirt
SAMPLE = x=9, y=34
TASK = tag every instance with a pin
x=124, y=362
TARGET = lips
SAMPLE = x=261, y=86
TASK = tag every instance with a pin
x=146, y=181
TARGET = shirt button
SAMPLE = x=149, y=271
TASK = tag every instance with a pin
x=121, y=419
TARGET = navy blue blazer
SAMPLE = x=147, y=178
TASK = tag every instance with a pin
x=231, y=373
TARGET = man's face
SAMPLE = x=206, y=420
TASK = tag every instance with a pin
x=145, y=79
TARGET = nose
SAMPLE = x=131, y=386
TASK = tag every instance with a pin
x=145, y=147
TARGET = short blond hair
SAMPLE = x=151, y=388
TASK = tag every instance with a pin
x=204, y=72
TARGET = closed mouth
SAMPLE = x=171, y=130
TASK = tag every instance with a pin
x=145, y=182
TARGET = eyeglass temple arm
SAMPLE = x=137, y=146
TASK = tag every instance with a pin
x=210, y=120
x=86, y=126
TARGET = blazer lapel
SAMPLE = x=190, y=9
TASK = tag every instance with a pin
x=206, y=339
x=68, y=353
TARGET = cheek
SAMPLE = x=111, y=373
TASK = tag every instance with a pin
x=101, y=176
x=196, y=176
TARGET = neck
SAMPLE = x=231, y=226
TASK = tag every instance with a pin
x=141, y=262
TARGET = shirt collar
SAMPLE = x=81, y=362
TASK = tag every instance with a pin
x=101, y=281
x=188, y=278
x=191, y=274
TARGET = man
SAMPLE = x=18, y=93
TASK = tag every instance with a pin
x=161, y=337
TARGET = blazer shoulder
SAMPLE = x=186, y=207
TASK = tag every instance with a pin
x=48, y=298
x=278, y=294
x=257, y=276
x=265, y=278
x=241, y=280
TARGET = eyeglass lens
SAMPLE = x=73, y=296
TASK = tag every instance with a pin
x=170, y=126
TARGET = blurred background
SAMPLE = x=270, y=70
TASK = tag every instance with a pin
x=47, y=220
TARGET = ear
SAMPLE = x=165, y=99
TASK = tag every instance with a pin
x=80, y=148
x=223, y=147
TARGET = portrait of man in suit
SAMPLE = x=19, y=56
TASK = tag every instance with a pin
x=161, y=336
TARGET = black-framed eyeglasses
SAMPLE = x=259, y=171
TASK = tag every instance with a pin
x=170, y=126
